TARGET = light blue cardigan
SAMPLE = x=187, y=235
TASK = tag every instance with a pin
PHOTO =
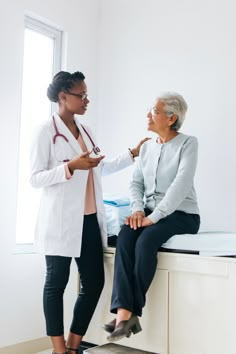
x=163, y=177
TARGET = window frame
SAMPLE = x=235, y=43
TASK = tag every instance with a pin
x=49, y=31
x=54, y=33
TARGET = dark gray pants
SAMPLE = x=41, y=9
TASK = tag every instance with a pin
x=136, y=258
x=91, y=270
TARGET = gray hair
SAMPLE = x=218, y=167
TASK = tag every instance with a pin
x=174, y=103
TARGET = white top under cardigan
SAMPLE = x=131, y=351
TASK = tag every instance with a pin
x=61, y=213
x=163, y=177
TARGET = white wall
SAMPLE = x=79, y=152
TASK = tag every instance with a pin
x=22, y=276
x=186, y=46
x=129, y=50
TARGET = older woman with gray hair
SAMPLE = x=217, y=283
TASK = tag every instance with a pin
x=163, y=202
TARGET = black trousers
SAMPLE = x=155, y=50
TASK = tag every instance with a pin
x=136, y=258
x=91, y=270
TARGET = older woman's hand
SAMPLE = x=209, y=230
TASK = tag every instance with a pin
x=135, y=219
x=135, y=151
x=146, y=222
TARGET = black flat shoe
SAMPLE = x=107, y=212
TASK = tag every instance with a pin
x=110, y=326
x=73, y=350
x=125, y=328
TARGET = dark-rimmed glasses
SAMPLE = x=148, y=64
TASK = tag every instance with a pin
x=82, y=96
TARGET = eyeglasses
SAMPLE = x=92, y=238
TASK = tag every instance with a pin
x=82, y=96
x=154, y=111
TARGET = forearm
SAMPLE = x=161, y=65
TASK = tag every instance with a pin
x=116, y=164
x=136, y=196
x=40, y=179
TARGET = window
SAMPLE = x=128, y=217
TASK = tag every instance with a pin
x=42, y=53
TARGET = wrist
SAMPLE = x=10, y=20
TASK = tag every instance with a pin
x=132, y=153
x=70, y=167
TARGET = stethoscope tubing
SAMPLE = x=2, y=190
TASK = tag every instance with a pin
x=96, y=149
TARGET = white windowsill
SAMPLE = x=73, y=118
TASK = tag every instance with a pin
x=24, y=248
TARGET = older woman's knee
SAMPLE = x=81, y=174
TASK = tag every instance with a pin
x=125, y=236
x=147, y=244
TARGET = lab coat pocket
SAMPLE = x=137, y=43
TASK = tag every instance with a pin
x=51, y=212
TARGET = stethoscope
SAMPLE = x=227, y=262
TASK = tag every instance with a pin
x=96, y=149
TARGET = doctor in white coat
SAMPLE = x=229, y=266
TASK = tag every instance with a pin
x=67, y=165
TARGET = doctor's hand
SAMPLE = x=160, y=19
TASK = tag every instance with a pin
x=135, y=219
x=135, y=151
x=84, y=162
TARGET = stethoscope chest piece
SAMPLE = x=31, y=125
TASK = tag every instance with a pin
x=96, y=150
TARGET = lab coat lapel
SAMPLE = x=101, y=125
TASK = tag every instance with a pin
x=62, y=128
x=84, y=135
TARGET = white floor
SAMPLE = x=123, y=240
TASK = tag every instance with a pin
x=45, y=352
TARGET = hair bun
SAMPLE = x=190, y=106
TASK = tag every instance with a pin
x=52, y=93
x=63, y=81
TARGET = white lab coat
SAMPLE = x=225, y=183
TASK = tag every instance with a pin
x=60, y=218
